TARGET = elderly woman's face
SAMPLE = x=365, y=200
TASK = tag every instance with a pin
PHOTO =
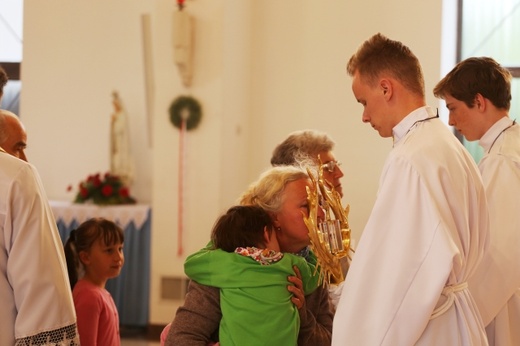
x=293, y=235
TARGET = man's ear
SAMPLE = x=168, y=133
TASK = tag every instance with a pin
x=480, y=102
x=386, y=88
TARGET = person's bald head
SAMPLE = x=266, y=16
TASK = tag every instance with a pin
x=13, y=138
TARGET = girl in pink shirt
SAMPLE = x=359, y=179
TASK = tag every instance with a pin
x=94, y=253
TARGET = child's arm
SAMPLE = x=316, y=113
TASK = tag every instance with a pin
x=88, y=310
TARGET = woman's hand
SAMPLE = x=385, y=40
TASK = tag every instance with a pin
x=296, y=288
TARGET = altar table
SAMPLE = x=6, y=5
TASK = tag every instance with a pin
x=131, y=288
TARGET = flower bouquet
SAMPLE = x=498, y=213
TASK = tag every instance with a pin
x=108, y=189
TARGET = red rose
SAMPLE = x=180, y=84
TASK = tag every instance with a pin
x=107, y=190
x=83, y=191
x=97, y=181
x=124, y=192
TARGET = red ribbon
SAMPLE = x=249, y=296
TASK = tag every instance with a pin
x=180, y=220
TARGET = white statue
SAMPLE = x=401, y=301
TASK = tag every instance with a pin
x=121, y=163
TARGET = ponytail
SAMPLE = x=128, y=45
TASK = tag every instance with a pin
x=71, y=256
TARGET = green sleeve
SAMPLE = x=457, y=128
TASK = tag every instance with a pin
x=310, y=277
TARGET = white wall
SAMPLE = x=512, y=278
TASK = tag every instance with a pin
x=75, y=54
x=262, y=69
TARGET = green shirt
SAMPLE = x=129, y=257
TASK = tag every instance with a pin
x=255, y=303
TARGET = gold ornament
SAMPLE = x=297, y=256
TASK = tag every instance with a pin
x=330, y=238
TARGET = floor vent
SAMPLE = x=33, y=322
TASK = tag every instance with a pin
x=173, y=288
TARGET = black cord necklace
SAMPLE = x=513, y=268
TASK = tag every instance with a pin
x=500, y=134
x=415, y=123
x=420, y=121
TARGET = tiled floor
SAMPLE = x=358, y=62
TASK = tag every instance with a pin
x=138, y=342
x=136, y=337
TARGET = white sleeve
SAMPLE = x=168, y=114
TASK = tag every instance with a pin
x=36, y=267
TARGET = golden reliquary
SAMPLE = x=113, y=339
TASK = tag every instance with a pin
x=330, y=238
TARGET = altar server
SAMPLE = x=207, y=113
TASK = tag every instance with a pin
x=428, y=230
x=37, y=307
x=478, y=96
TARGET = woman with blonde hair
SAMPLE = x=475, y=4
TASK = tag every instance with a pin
x=281, y=191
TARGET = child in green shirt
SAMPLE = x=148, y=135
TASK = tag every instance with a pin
x=244, y=261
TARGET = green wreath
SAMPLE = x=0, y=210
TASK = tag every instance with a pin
x=179, y=105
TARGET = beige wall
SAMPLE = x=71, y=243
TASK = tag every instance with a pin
x=262, y=69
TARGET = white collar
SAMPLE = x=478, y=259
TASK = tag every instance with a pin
x=408, y=122
x=492, y=134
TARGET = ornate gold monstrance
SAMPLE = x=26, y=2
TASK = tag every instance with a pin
x=330, y=238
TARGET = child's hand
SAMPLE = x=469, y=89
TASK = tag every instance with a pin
x=296, y=288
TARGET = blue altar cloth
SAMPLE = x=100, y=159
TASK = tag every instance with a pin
x=131, y=289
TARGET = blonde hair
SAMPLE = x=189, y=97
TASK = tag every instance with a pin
x=379, y=55
x=268, y=191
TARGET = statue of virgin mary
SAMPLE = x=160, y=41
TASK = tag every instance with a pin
x=121, y=163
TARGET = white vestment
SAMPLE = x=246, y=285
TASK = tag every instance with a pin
x=37, y=306
x=429, y=228
x=496, y=283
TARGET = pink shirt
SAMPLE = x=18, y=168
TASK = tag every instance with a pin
x=98, y=320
